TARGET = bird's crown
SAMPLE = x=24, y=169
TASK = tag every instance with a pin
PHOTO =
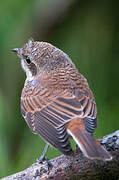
x=37, y=56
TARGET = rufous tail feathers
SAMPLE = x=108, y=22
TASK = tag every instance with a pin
x=87, y=144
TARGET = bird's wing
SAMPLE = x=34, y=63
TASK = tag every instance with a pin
x=37, y=107
x=46, y=113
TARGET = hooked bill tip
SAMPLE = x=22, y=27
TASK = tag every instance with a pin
x=15, y=50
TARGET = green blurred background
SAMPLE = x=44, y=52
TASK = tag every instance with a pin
x=88, y=31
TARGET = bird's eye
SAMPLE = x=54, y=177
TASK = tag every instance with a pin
x=28, y=59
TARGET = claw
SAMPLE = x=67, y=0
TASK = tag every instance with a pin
x=44, y=159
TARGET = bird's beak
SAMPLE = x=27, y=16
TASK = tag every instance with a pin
x=16, y=50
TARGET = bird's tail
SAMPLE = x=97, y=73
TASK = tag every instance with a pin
x=89, y=146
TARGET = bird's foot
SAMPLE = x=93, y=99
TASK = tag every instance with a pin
x=44, y=160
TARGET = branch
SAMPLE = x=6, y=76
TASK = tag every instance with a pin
x=76, y=166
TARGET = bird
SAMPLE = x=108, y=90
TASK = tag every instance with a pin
x=57, y=102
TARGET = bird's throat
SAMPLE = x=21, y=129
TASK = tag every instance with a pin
x=27, y=70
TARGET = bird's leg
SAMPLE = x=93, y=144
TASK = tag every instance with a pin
x=42, y=157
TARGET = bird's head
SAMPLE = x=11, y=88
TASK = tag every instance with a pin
x=37, y=57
